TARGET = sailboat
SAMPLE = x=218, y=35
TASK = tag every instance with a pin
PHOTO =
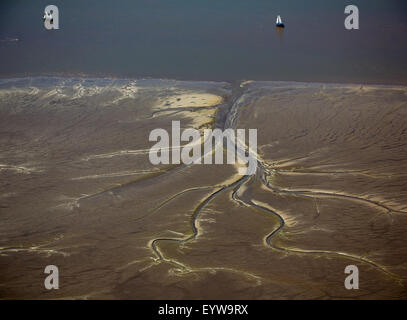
x=48, y=17
x=279, y=23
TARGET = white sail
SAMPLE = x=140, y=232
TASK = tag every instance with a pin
x=278, y=20
x=47, y=16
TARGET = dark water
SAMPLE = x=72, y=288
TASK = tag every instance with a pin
x=207, y=40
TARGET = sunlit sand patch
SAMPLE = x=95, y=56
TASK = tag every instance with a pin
x=189, y=100
x=241, y=166
x=244, y=83
x=200, y=118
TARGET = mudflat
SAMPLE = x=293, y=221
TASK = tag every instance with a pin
x=77, y=190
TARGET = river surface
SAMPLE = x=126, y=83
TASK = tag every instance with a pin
x=207, y=40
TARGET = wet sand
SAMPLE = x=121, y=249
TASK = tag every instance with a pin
x=77, y=190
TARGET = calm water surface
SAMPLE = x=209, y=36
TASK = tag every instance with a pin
x=207, y=40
